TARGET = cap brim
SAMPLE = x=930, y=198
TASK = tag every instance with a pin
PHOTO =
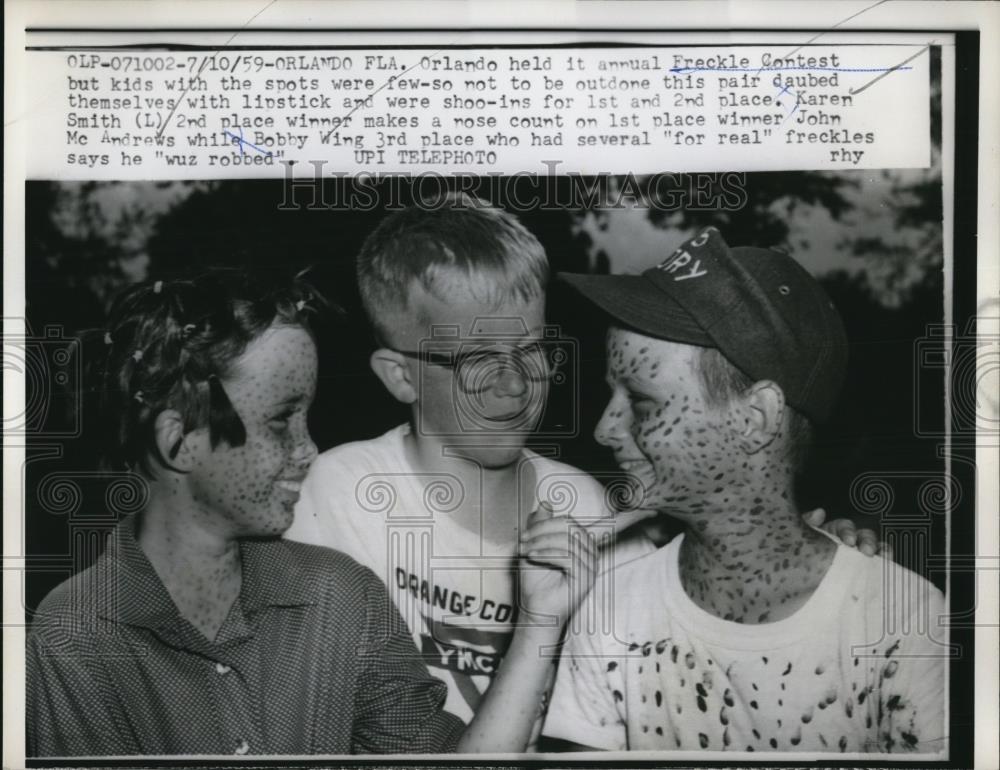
x=635, y=302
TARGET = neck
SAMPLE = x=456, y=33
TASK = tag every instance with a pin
x=199, y=566
x=753, y=559
x=489, y=493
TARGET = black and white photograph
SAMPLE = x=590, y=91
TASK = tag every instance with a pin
x=566, y=396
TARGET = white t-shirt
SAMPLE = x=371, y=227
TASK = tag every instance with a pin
x=452, y=586
x=859, y=668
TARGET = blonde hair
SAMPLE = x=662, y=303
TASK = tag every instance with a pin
x=464, y=237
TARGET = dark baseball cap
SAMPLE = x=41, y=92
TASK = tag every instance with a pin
x=759, y=307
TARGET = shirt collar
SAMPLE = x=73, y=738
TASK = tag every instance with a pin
x=272, y=577
x=132, y=593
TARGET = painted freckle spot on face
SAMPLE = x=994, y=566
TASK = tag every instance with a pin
x=894, y=703
x=612, y=666
x=617, y=695
x=703, y=740
x=689, y=660
x=753, y=704
x=702, y=706
x=774, y=743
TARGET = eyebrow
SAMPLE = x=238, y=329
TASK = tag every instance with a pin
x=290, y=401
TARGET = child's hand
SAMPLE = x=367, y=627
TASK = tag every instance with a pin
x=845, y=530
x=558, y=568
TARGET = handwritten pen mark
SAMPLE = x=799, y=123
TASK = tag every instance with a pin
x=204, y=62
x=853, y=91
x=382, y=87
x=793, y=110
x=843, y=21
x=884, y=70
x=241, y=141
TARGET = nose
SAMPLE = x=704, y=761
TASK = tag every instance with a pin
x=610, y=428
x=305, y=451
x=510, y=382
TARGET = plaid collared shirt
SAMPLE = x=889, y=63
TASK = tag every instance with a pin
x=312, y=659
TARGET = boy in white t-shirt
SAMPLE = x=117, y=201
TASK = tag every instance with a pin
x=456, y=295
x=751, y=631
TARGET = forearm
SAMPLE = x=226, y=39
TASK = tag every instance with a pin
x=509, y=708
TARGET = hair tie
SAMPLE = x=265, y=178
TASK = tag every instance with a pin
x=157, y=287
x=137, y=356
x=107, y=338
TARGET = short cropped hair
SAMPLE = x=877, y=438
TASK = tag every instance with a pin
x=168, y=344
x=467, y=236
x=721, y=382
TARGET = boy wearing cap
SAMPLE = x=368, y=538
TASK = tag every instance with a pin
x=751, y=631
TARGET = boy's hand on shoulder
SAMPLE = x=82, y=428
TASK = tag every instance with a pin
x=845, y=530
x=558, y=566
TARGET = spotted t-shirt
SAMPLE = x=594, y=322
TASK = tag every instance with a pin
x=859, y=668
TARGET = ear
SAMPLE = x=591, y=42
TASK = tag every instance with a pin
x=763, y=407
x=391, y=367
x=172, y=443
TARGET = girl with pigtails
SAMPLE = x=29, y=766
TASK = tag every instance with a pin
x=199, y=630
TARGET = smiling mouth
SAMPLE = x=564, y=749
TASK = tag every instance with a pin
x=518, y=416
